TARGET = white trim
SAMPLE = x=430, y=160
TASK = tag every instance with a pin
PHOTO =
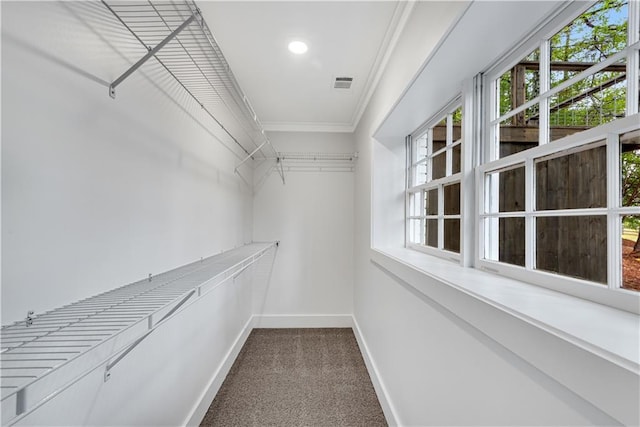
x=430, y=57
x=419, y=162
x=308, y=127
x=547, y=213
x=408, y=177
x=445, y=180
x=529, y=220
x=202, y=406
x=544, y=70
x=440, y=253
x=398, y=22
x=303, y=321
x=440, y=217
x=614, y=224
x=621, y=299
x=388, y=409
x=633, y=63
x=449, y=107
x=470, y=132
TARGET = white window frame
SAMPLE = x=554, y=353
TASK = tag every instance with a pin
x=612, y=294
x=437, y=184
x=540, y=40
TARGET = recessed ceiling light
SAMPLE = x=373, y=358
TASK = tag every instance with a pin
x=298, y=47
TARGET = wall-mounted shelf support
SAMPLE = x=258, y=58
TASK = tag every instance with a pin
x=152, y=52
x=64, y=345
x=281, y=170
x=152, y=327
x=250, y=155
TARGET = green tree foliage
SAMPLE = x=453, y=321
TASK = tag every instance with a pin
x=631, y=178
x=591, y=38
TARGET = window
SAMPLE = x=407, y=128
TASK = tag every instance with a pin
x=557, y=173
x=434, y=187
x=561, y=178
x=569, y=82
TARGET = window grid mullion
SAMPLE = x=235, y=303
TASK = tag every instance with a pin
x=614, y=223
x=429, y=154
x=446, y=180
x=494, y=128
x=529, y=221
x=633, y=62
x=448, y=142
x=441, y=216
x=628, y=210
x=420, y=161
x=422, y=219
x=549, y=213
x=408, y=170
x=545, y=77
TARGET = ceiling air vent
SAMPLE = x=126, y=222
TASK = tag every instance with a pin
x=343, y=83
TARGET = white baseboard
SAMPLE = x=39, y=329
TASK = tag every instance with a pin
x=303, y=321
x=378, y=385
x=200, y=409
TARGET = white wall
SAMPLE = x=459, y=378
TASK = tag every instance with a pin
x=434, y=368
x=97, y=193
x=312, y=216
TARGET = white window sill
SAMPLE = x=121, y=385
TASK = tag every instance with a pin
x=581, y=343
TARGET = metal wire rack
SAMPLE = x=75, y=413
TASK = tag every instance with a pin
x=176, y=35
x=44, y=354
x=318, y=157
x=315, y=162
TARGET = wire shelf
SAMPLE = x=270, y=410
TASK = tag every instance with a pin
x=44, y=354
x=318, y=162
x=318, y=157
x=195, y=60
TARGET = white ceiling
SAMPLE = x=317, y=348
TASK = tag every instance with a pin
x=290, y=92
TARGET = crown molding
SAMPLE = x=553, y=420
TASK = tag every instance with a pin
x=394, y=30
x=308, y=127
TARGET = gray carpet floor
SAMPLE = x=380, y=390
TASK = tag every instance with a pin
x=297, y=377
